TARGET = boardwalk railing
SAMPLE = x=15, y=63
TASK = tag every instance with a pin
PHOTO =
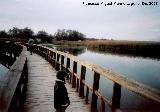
x=57, y=58
x=13, y=84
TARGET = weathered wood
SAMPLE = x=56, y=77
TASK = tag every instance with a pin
x=62, y=62
x=82, y=77
x=102, y=106
x=77, y=84
x=57, y=62
x=54, y=59
x=131, y=85
x=10, y=81
x=68, y=67
x=73, y=76
x=95, y=88
x=116, y=96
x=40, y=94
x=87, y=94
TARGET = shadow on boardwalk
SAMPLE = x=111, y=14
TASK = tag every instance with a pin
x=40, y=93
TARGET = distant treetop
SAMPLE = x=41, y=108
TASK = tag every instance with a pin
x=26, y=33
x=71, y=35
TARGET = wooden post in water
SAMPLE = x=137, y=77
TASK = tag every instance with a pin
x=95, y=88
x=82, y=77
x=116, y=96
x=73, y=76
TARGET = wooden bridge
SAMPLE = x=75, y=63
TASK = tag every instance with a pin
x=28, y=86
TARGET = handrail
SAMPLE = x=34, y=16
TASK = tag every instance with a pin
x=79, y=83
x=11, y=82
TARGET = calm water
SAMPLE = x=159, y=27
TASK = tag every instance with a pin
x=3, y=70
x=144, y=70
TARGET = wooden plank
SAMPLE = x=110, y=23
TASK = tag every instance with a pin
x=9, y=82
x=40, y=94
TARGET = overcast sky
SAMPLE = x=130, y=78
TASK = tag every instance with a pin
x=117, y=22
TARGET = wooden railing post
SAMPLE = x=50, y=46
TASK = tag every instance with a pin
x=62, y=62
x=77, y=84
x=116, y=96
x=95, y=88
x=54, y=59
x=38, y=50
x=102, y=107
x=82, y=77
x=73, y=76
x=50, y=57
x=57, y=62
x=87, y=94
x=68, y=62
x=42, y=52
x=35, y=49
x=47, y=55
x=68, y=67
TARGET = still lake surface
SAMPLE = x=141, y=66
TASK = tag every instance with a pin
x=3, y=70
x=142, y=69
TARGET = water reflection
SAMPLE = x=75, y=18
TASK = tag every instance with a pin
x=3, y=70
x=6, y=60
x=74, y=50
x=141, y=69
x=77, y=50
x=145, y=54
x=5, y=63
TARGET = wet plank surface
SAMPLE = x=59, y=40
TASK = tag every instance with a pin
x=40, y=92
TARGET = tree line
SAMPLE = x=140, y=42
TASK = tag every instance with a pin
x=71, y=35
x=43, y=36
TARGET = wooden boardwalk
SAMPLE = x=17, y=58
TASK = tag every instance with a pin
x=40, y=92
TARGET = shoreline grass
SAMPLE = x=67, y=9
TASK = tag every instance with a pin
x=139, y=48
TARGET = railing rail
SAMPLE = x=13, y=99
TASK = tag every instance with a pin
x=79, y=82
x=13, y=84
